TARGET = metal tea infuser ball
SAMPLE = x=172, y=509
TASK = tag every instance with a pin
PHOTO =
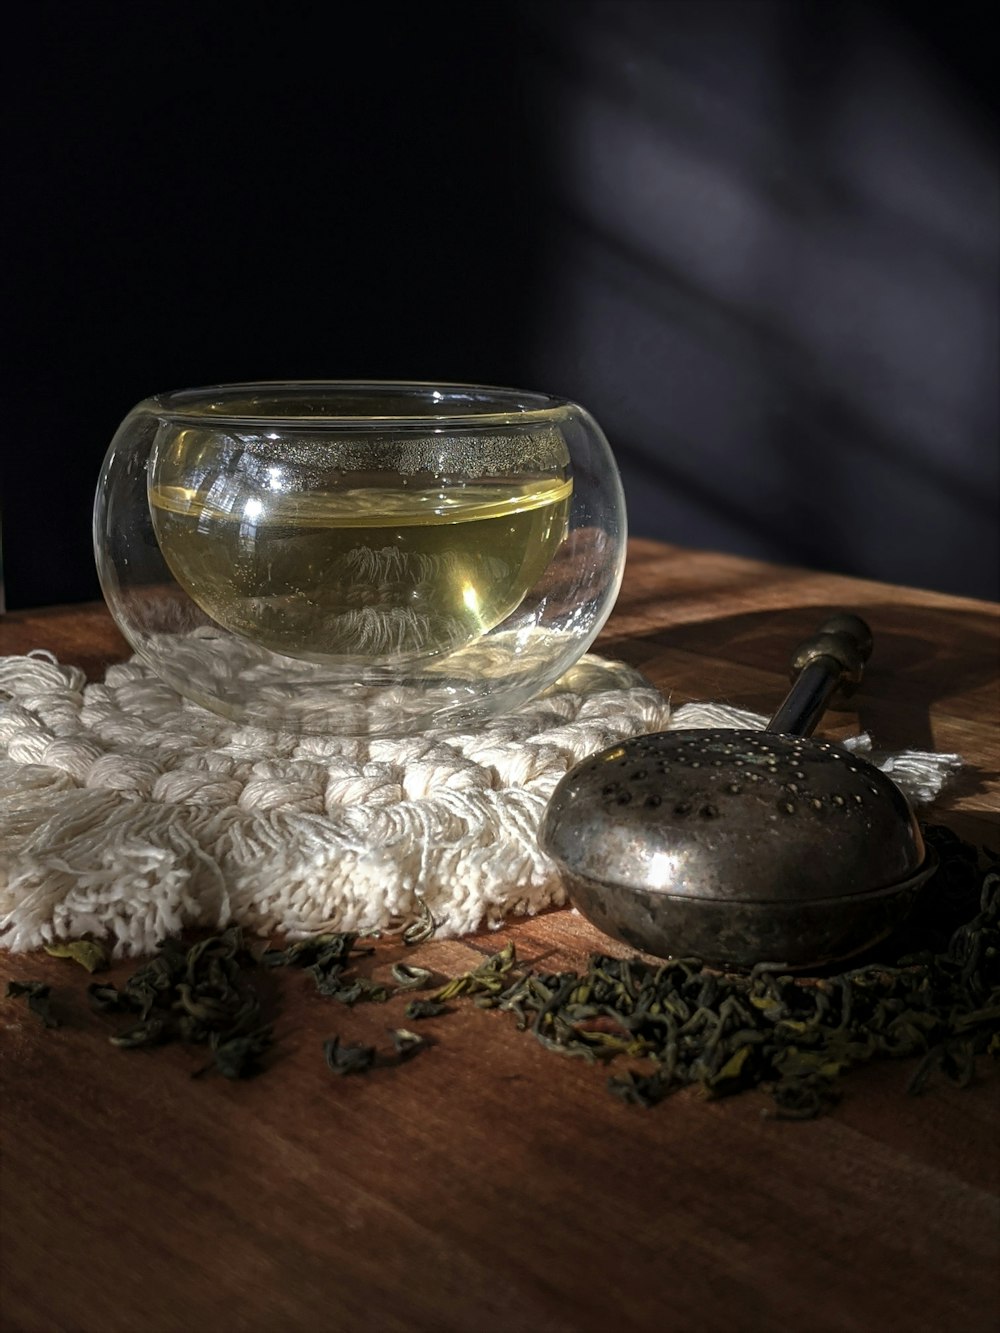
x=741, y=847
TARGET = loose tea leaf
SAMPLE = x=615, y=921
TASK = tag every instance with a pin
x=150, y=1032
x=38, y=997
x=157, y=977
x=425, y=1009
x=106, y=998
x=408, y=977
x=15, y=989
x=239, y=1057
x=85, y=952
x=406, y=1043
x=324, y=950
x=421, y=930
x=348, y=1059
x=353, y=991
x=484, y=979
x=328, y=959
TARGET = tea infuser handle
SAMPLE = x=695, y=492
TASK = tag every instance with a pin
x=834, y=658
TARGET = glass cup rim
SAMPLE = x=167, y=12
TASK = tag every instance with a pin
x=470, y=404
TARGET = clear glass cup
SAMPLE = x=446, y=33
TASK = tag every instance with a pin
x=370, y=558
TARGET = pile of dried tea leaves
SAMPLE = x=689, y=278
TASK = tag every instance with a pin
x=198, y=995
x=791, y=1035
x=932, y=993
x=208, y=994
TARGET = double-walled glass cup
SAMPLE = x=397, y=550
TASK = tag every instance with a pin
x=370, y=558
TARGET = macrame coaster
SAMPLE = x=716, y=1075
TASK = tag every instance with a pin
x=130, y=813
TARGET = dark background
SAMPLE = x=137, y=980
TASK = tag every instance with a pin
x=756, y=240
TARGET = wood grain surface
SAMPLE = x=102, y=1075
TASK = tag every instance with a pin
x=489, y=1184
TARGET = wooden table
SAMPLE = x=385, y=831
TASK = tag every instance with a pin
x=489, y=1184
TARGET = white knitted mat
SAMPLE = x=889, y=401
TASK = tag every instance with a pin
x=130, y=813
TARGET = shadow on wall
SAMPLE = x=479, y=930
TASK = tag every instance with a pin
x=771, y=274
x=756, y=239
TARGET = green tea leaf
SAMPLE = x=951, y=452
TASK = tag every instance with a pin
x=239, y=1057
x=150, y=1032
x=417, y=1009
x=85, y=952
x=485, y=978
x=37, y=994
x=15, y=989
x=423, y=928
x=323, y=949
x=407, y=977
x=733, y=1075
x=358, y=990
x=348, y=1059
x=406, y=1043
x=107, y=998
x=639, y=1089
x=206, y=1009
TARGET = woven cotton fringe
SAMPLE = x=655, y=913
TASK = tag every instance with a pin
x=130, y=813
